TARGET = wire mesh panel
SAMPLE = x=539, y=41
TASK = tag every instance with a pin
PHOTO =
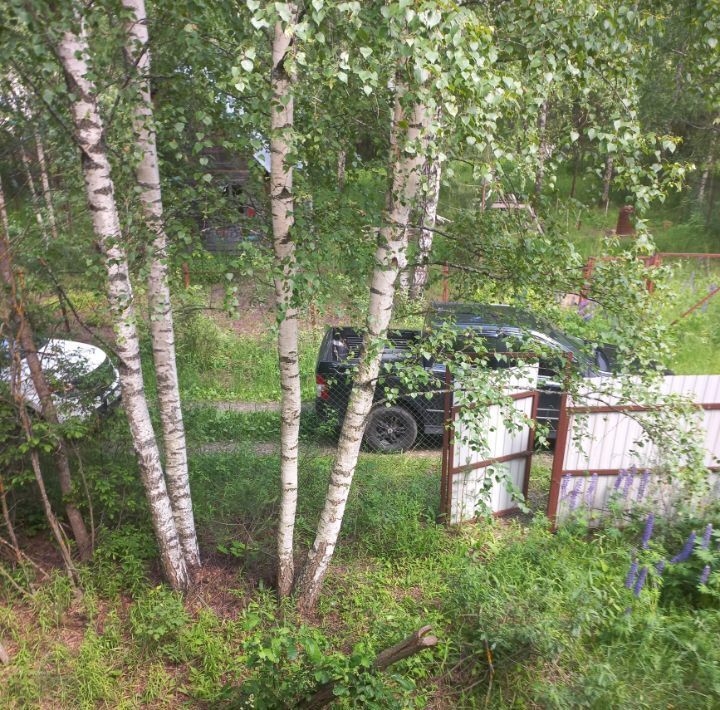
x=607, y=453
x=488, y=449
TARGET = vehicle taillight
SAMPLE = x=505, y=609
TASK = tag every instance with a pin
x=321, y=387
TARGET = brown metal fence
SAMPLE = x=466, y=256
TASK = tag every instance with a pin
x=604, y=455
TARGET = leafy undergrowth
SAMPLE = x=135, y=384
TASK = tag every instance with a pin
x=525, y=618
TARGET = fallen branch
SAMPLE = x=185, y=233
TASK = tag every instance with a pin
x=413, y=644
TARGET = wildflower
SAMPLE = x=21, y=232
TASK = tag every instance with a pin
x=564, y=485
x=590, y=492
x=647, y=533
x=640, y=583
x=627, y=483
x=660, y=567
x=632, y=572
x=705, y=575
x=706, y=536
x=619, y=480
x=643, y=485
x=685, y=553
x=575, y=494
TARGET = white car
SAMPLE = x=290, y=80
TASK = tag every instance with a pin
x=82, y=378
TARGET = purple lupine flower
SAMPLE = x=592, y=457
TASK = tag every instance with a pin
x=705, y=575
x=590, y=492
x=685, y=553
x=660, y=567
x=643, y=485
x=706, y=536
x=647, y=533
x=576, y=494
x=564, y=485
x=619, y=480
x=632, y=572
x=627, y=483
x=640, y=583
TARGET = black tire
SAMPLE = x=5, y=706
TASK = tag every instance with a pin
x=391, y=429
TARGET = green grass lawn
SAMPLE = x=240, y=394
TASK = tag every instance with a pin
x=524, y=618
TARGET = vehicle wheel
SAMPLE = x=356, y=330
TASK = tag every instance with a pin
x=391, y=429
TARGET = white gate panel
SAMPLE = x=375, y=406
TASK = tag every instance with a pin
x=482, y=444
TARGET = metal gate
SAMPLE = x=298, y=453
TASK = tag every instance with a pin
x=468, y=464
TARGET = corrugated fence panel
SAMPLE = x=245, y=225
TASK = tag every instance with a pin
x=493, y=439
x=616, y=445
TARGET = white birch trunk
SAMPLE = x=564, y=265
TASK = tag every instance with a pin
x=33, y=192
x=161, y=318
x=89, y=133
x=45, y=183
x=390, y=259
x=341, y=163
x=542, y=149
x=428, y=221
x=281, y=197
x=607, y=182
x=704, y=177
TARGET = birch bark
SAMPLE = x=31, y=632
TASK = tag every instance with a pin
x=24, y=336
x=390, y=259
x=89, y=133
x=428, y=220
x=162, y=330
x=45, y=183
x=542, y=149
x=282, y=201
x=607, y=181
x=704, y=177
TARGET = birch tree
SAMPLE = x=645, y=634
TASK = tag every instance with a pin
x=282, y=201
x=428, y=217
x=147, y=174
x=390, y=259
x=45, y=183
x=73, y=53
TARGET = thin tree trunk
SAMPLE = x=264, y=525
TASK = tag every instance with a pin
x=542, y=149
x=281, y=197
x=55, y=527
x=45, y=182
x=341, y=163
x=16, y=311
x=161, y=317
x=99, y=189
x=390, y=259
x=709, y=167
x=607, y=181
x=33, y=192
x=7, y=519
x=429, y=217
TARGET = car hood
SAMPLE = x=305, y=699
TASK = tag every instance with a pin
x=70, y=360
